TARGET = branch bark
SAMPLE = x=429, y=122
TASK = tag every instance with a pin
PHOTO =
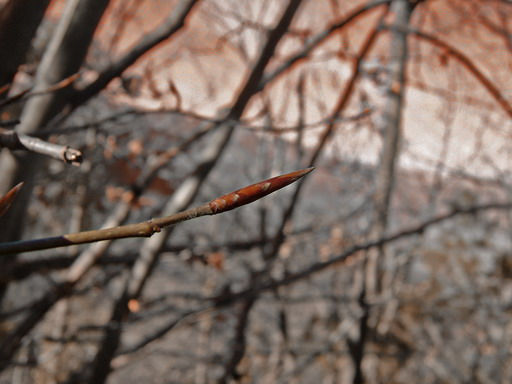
x=221, y=204
x=188, y=190
x=466, y=63
x=18, y=141
x=174, y=23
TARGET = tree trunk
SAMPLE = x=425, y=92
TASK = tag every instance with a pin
x=19, y=20
x=63, y=57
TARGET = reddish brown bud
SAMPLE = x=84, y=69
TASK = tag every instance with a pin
x=254, y=192
x=8, y=198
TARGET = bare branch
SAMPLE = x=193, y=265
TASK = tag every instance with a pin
x=224, y=203
x=418, y=229
x=19, y=141
x=319, y=39
x=466, y=62
x=187, y=191
x=226, y=299
x=173, y=24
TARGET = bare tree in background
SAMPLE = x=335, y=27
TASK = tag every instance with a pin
x=389, y=263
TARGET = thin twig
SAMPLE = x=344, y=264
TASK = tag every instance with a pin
x=465, y=61
x=151, y=248
x=225, y=300
x=224, y=203
x=418, y=229
x=19, y=141
x=31, y=93
x=174, y=23
x=318, y=39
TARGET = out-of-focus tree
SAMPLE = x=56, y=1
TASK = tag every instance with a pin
x=391, y=263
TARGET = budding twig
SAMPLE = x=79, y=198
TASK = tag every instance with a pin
x=221, y=204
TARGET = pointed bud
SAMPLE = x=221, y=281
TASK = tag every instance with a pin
x=8, y=198
x=254, y=192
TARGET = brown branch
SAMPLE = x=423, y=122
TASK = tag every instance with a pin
x=229, y=298
x=19, y=141
x=22, y=269
x=11, y=342
x=279, y=237
x=466, y=62
x=28, y=93
x=319, y=39
x=239, y=342
x=224, y=300
x=168, y=28
x=224, y=203
x=328, y=132
x=186, y=193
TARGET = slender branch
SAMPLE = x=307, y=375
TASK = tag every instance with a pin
x=28, y=93
x=151, y=248
x=279, y=237
x=19, y=141
x=343, y=99
x=319, y=39
x=45, y=265
x=174, y=23
x=224, y=203
x=225, y=300
x=418, y=229
x=465, y=61
x=239, y=343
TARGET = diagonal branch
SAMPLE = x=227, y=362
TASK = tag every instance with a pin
x=187, y=192
x=221, y=204
x=279, y=236
x=318, y=39
x=467, y=63
x=232, y=200
x=173, y=24
x=226, y=299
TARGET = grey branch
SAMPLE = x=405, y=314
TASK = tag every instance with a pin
x=18, y=141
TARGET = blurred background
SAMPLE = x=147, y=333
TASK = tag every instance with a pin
x=390, y=263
